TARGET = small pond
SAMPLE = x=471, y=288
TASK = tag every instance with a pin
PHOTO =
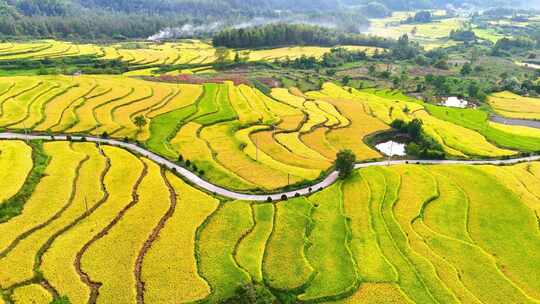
x=392, y=148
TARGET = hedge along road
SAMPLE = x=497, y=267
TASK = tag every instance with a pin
x=196, y=180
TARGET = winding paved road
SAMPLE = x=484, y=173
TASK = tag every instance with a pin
x=195, y=179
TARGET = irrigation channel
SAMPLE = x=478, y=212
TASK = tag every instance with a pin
x=198, y=181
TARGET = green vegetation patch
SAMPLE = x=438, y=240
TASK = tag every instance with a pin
x=329, y=253
x=14, y=206
x=285, y=266
x=477, y=120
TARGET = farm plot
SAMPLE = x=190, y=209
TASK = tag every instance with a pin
x=511, y=105
x=408, y=233
x=511, y=137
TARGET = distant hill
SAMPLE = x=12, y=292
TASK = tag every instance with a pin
x=120, y=19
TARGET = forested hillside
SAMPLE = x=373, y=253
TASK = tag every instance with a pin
x=118, y=19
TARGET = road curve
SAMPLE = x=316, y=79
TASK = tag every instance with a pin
x=196, y=180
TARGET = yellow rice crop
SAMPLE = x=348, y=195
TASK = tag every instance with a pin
x=515, y=106
x=293, y=143
x=170, y=268
x=190, y=146
x=104, y=114
x=188, y=95
x=111, y=260
x=229, y=155
x=55, y=108
x=85, y=113
x=285, y=96
x=318, y=141
x=18, y=265
x=58, y=260
x=377, y=293
x=124, y=115
x=516, y=130
x=263, y=158
x=58, y=177
x=15, y=109
x=266, y=142
x=16, y=156
x=31, y=294
x=246, y=114
x=255, y=99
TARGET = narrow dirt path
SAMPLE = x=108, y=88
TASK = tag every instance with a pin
x=201, y=183
x=152, y=238
x=94, y=286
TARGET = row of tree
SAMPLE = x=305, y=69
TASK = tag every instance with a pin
x=282, y=34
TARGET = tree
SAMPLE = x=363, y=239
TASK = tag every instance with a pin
x=139, y=121
x=344, y=163
x=466, y=69
x=61, y=300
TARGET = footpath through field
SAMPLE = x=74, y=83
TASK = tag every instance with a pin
x=198, y=181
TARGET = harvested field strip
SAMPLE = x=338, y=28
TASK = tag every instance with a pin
x=85, y=119
x=17, y=156
x=329, y=253
x=63, y=252
x=292, y=142
x=376, y=293
x=493, y=205
x=188, y=144
x=439, y=276
x=58, y=173
x=229, y=155
x=317, y=141
x=21, y=262
x=384, y=186
x=178, y=281
x=372, y=264
x=13, y=206
x=285, y=266
x=55, y=109
x=250, y=249
x=111, y=260
x=246, y=113
x=163, y=129
x=260, y=156
x=16, y=108
x=216, y=242
x=265, y=141
x=31, y=294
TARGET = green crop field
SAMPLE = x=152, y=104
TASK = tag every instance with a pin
x=269, y=152
x=409, y=233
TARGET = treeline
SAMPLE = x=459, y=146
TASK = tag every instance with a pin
x=293, y=34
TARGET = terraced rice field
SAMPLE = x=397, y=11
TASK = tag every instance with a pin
x=149, y=54
x=511, y=105
x=120, y=229
x=237, y=136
